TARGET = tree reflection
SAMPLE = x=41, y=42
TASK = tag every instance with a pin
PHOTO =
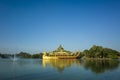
x=100, y=66
x=60, y=64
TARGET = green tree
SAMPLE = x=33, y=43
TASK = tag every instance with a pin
x=39, y=55
x=86, y=53
x=24, y=55
x=100, y=52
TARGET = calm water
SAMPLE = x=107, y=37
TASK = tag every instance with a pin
x=36, y=69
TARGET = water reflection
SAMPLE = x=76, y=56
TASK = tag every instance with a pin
x=60, y=64
x=96, y=66
x=100, y=66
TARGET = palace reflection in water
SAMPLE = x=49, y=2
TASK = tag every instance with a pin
x=61, y=64
x=96, y=66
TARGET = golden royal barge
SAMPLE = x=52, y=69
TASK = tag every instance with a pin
x=60, y=53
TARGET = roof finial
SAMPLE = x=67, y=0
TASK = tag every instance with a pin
x=60, y=48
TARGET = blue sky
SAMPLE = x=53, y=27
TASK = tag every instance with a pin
x=41, y=25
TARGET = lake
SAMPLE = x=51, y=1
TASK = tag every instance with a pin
x=37, y=69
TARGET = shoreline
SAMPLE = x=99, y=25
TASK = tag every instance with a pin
x=85, y=58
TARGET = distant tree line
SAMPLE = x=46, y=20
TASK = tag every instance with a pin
x=93, y=52
x=5, y=55
x=100, y=52
x=22, y=55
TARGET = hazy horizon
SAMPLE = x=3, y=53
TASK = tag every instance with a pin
x=42, y=25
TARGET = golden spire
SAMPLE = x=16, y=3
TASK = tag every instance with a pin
x=60, y=48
